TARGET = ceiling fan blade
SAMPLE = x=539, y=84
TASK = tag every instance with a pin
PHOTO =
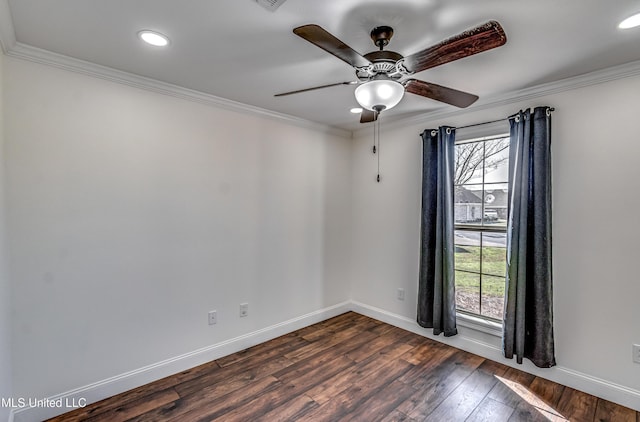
x=474, y=41
x=368, y=116
x=321, y=38
x=314, y=88
x=440, y=93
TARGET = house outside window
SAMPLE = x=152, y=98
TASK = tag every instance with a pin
x=481, y=191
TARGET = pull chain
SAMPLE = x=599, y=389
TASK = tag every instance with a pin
x=378, y=132
x=374, y=138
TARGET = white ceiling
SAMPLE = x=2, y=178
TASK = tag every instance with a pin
x=237, y=50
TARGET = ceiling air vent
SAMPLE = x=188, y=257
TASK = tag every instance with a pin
x=271, y=5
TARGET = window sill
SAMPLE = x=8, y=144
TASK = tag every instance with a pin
x=479, y=324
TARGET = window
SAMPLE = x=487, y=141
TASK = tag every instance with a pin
x=481, y=188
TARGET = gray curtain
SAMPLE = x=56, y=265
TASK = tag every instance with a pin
x=436, y=289
x=528, y=315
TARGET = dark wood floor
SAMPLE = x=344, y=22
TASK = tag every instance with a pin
x=352, y=368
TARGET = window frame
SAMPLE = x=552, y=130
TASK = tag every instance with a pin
x=469, y=319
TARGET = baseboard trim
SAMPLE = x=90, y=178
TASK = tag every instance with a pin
x=115, y=385
x=577, y=380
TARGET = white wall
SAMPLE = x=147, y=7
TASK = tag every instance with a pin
x=595, y=225
x=131, y=214
x=5, y=294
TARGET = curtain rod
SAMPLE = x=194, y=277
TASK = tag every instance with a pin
x=492, y=121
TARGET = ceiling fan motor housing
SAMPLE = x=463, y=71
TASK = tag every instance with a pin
x=388, y=63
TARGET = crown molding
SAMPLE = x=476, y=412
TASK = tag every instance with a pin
x=49, y=58
x=7, y=31
x=588, y=79
x=16, y=49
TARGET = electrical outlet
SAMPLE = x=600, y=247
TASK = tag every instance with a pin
x=213, y=317
x=636, y=353
x=244, y=309
x=400, y=294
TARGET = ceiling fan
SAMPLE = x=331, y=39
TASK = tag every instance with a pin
x=382, y=75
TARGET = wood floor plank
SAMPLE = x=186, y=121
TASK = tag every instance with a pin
x=204, y=405
x=324, y=391
x=291, y=410
x=351, y=334
x=222, y=405
x=345, y=402
x=611, y=412
x=464, y=399
x=302, y=367
x=423, y=369
x=329, y=330
x=493, y=368
x=577, y=405
x=547, y=391
x=383, y=402
x=137, y=407
x=332, y=386
x=538, y=402
x=378, y=343
x=231, y=379
x=256, y=408
x=383, y=329
x=144, y=391
x=452, y=371
x=317, y=375
x=426, y=351
x=397, y=416
x=277, y=346
x=529, y=413
x=339, y=319
x=490, y=410
x=512, y=384
x=354, y=368
x=436, y=384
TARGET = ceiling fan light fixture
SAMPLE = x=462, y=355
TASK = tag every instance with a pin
x=381, y=94
x=356, y=110
x=630, y=22
x=153, y=38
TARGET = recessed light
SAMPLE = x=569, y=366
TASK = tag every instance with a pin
x=630, y=22
x=356, y=110
x=154, y=38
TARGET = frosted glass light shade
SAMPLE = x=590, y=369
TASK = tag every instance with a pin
x=381, y=94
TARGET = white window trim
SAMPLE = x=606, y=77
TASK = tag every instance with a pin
x=480, y=133
x=479, y=324
x=483, y=131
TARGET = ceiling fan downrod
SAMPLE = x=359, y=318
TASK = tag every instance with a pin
x=381, y=35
